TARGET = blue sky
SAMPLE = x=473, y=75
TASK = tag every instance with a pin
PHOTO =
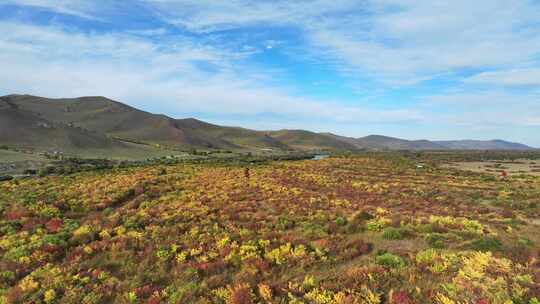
x=411, y=69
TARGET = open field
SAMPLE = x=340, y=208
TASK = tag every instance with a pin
x=13, y=156
x=360, y=229
x=12, y=162
x=514, y=167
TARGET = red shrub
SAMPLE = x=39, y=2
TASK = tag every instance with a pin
x=54, y=225
x=241, y=294
x=507, y=213
x=400, y=297
x=218, y=280
x=31, y=224
x=145, y=291
x=155, y=299
x=52, y=249
x=15, y=295
x=262, y=265
x=139, y=190
x=356, y=248
x=16, y=213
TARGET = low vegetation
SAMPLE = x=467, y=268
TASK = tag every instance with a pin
x=374, y=228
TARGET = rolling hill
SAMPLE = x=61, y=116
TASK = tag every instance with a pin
x=379, y=142
x=495, y=144
x=28, y=129
x=124, y=123
x=101, y=124
x=306, y=140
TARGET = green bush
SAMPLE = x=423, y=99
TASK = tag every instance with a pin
x=341, y=221
x=314, y=230
x=390, y=260
x=486, y=244
x=377, y=224
x=526, y=242
x=58, y=239
x=393, y=234
x=7, y=275
x=436, y=240
x=285, y=223
x=427, y=256
x=534, y=301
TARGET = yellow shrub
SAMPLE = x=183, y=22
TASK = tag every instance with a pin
x=223, y=242
x=49, y=296
x=104, y=234
x=265, y=292
x=88, y=250
x=321, y=296
x=442, y=299
x=222, y=294
x=28, y=284
x=381, y=211
x=83, y=230
x=248, y=251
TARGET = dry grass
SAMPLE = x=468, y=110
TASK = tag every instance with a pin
x=516, y=167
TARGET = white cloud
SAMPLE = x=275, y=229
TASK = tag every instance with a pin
x=53, y=62
x=494, y=108
x=391, y=41
x=80, y=8
x=150, y=32
x=401, y=42
x=418, y=40
x=212, y=15
x=512, y=77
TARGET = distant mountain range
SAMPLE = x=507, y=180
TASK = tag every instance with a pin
x=98, y=123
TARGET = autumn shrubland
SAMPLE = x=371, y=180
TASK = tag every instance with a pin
x=354, y=229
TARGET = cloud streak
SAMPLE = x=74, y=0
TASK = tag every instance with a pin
x=401, y=42
x=512, y=77
x=79, y=8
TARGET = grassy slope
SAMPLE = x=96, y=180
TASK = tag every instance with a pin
x=14, y=156
x=97, y=118
x=239, y=137
x=483, y=145
x=388, y=143
x=108, y=117
x=385, y=142
x=24, y=128
x=301, y=139
x=104, y=116
x=115, y=119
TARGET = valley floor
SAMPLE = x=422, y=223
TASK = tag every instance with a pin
x=515, y=167
x=363, y=229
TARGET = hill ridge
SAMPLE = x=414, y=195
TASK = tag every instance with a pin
x=109, y=119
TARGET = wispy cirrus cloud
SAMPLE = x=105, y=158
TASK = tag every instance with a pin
x=395, y=41
x=80, y=8
x=210, y=15
x=411, y=41
x=510, y=77
x=401, y=42
x=491, y=108
x=176, y=77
